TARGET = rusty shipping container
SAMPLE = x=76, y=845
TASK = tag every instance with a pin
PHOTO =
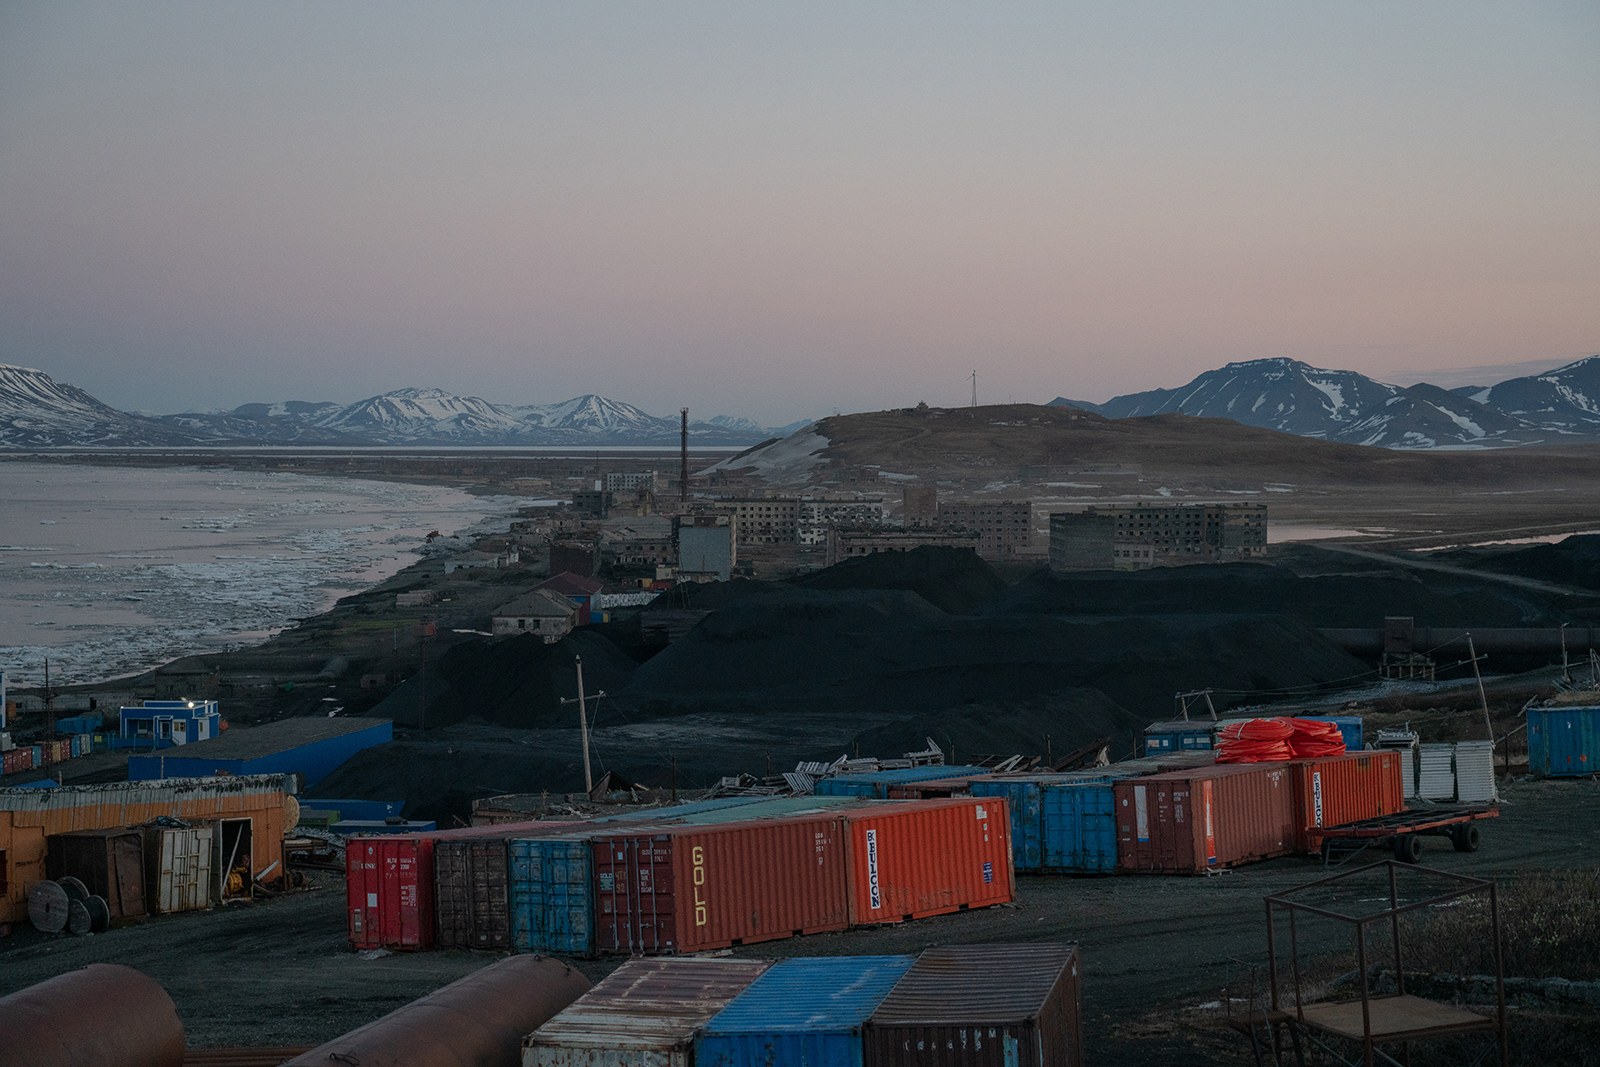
x=389, y=883
x=644, y=1014
x=179, y=871
x=982, y=1006
x=687, y=888
x=104, y=1013
x=471, y=894
x=477, y=1021
x=1334, y=790
x=110, y=863
x=928, y=857
x=1189, y=821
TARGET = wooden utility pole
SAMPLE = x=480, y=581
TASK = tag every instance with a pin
x=583, y=721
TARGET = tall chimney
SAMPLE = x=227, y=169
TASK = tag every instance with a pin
x=683, y=473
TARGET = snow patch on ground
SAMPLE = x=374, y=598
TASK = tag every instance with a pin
x=788, y=460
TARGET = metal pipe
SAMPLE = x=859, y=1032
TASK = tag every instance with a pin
x=104, y=1013
x=1394, y=923
x=479, y=1021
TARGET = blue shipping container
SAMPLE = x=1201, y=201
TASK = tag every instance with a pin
x=1025, y=798
x=1078, y=825
x=79, y=724
x=1563, y=741
x=551, y=894
x=1349, y=725
x=877, y=783
x=362, y=810
x=1166, y=742
x=801, y=1013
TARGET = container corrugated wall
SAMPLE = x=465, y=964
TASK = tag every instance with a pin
x=801, y=1013
x=471, y=901
x=1436, y=778
x=982, y=1006
x=1474, y=771
x=687, y=888
x=177, y=868
x=928, y=857
x=1190, y=821
x=1022, y=798
x=1334, y=790
x=1563, y=741
x=389, y=891
x=643, y=1014
x=552, y=896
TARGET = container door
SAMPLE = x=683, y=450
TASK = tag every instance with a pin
x=1097, y=820
x=524, y=894
x=127, y=877
x=489, y=908
x=570, y=904
x=452, y=900
x=361, y=893
x=634, y=895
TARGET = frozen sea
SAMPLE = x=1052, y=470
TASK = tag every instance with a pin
x=113, y=571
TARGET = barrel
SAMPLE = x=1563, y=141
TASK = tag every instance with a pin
x=105, y=1013
x=479, y=1021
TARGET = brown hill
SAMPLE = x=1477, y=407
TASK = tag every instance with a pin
x=977, y=445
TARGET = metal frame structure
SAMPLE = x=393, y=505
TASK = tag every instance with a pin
x=1390, y=1019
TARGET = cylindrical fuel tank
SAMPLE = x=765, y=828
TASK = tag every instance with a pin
x=104, y=1013
x=479, y=1021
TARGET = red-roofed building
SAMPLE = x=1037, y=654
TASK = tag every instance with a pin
x=574, y=587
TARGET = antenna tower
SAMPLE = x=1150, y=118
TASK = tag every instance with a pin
x=974, y=388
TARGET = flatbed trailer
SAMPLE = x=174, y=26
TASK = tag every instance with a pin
x=1403, y=832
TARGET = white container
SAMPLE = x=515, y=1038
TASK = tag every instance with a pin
x=1436, y=779
x=1474, y=771
x=177, y=864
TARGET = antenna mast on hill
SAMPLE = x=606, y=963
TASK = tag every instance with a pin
x=974, y=388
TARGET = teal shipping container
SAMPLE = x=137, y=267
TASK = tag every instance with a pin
x=552, y=895
x=1563, y=742
x=877, y=783
x=1025, y=796
x=805, y=1012
x=1078, y=828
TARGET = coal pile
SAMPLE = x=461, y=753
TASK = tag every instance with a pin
x=1344, y=600
x=892, y=653
x=1571, y=561
x=955, y=580
x=515, y=681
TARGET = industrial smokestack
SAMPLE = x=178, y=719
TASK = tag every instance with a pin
x=683, y=472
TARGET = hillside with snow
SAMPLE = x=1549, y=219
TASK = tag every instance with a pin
x=36, y=411
x=1334, y=405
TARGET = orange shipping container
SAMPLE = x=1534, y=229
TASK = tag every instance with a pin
x=688, y=888
x=1187, y=821
x=928, y=857
x=1334, y=790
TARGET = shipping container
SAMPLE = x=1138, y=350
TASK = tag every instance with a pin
x=669, y=889
x=1203, y=819
x=1351, y=726
x=644, y=1014
x=1014, y=1005
x=1024, y=795
x=552, y=895
x=110, y=863
x=928, y=857
x=1334, y=790
x=1078, y=827
x=876, y=784
x=18, y=760
x=1563, y=742
x=178, y=868
x=471, y=903
x=801, y=1013
x=764, y=808
x=389, y=883
x=1474, y=771
x=1179, y=735
x=1436, y=775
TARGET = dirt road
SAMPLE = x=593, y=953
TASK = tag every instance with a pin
x=280, y=973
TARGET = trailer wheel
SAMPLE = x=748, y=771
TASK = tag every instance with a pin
x=1408, y=848
x=1466, y=837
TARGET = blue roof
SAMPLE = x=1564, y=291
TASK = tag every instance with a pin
x=811, y=994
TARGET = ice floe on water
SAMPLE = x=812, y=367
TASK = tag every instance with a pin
x=143, y=566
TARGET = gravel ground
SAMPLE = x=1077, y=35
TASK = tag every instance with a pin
x=280, y=973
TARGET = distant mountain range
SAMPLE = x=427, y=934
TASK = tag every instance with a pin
x=1341, y=405
x=36, y=411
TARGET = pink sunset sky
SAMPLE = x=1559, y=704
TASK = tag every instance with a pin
x=781, y=210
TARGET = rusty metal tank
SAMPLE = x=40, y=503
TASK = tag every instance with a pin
x=479, y=1021
x=104, y=1013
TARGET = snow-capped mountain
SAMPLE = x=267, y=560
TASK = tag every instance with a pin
x=36, y=411
x=1337, y=405
x=1566, y=399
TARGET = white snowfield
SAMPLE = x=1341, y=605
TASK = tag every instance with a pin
x=783, y=462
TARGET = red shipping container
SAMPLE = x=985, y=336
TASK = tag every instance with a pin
x=687, y=888
x=928, y=857
x=1187, y=821
x=389, y=883
x=1334, y=790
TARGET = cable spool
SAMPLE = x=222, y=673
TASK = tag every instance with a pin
x=78, y=920
x=99, y=914
x=75, y=889
x=47, y=907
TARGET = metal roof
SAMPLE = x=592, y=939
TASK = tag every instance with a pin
x=274, y=737
x=162, y=791
x=968, y=984
x=649, y=1004
x=827, y=993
